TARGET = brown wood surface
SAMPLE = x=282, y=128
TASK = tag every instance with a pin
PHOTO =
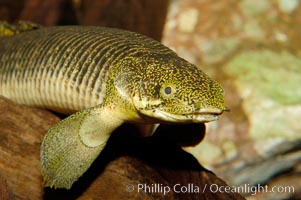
x=146, y=17
x=127, y=159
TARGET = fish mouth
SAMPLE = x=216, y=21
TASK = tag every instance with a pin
x=201, y=116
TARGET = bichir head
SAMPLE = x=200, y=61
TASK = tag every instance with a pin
x=167, y=88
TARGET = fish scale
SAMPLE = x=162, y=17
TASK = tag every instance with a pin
x=47, y=68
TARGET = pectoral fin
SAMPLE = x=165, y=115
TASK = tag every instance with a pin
x=70, y=147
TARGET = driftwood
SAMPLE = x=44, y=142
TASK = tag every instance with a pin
x=146, y=17
x=156, y=162
x=21, y=132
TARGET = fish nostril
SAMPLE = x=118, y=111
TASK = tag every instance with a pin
x=223, y=91
x=226, y=109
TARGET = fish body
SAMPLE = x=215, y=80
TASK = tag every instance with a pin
x=103, y=77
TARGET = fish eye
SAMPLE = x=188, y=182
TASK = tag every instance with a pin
x=167, y=90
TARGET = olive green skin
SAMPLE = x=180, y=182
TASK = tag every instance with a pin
x=192, y=89
x=150, y=81
x=129, y=78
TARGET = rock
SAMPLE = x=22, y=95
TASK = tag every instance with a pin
x=288, y=6
x=263, y=170
x=251, y=47
x=270, y=93
x=271, y=100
